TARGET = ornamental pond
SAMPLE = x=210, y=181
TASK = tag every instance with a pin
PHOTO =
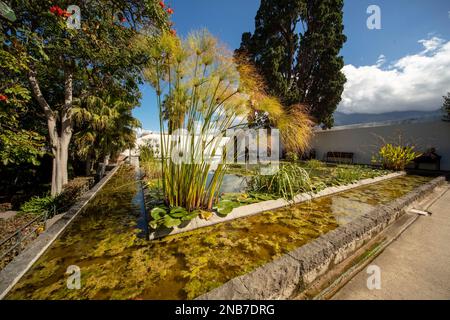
x=105, y=241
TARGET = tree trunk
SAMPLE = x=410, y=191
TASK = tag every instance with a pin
x=59, y=142
x=88, y=164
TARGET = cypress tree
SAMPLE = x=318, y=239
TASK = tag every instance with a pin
x=296, y=46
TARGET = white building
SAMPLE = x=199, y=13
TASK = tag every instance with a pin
x=364, y=140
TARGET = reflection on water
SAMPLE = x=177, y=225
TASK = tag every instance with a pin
x=233, y=183
x=117, y=264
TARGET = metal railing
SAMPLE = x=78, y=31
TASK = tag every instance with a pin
x=12, y=245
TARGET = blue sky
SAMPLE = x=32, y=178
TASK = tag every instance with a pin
x=403, y=24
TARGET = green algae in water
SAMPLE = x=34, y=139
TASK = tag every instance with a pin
x=116, y=264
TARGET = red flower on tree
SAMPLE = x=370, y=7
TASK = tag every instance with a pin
x=56, y=10
x=170, y=11
x=3, y=97
x=173, y=32
x=161, y=3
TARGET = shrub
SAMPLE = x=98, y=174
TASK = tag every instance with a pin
x=40, y=205
x=49, y=205
x=72, y=191
x=395, y=157
x=146, y=153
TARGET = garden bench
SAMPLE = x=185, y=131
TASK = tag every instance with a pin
x=339, y=157
x=429, y=157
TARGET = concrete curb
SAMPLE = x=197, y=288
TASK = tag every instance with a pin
x=12, y=273
x=292, y=273
x=255, y=208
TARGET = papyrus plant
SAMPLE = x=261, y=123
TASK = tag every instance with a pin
x=201, y=92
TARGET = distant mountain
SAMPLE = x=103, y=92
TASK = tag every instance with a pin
x=341, y=119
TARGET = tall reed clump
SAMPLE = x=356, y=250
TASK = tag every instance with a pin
x=198, y=98
x=201, y=93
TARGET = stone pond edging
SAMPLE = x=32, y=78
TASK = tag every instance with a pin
x=12, y=273
x=293, y=272
x=254, y=208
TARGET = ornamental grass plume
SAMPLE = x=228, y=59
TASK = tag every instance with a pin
x=294, y=123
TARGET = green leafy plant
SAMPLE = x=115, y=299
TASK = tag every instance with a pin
x=292, y=156
x=395, y=157
x=50, y=205
x=343, y=176
x=287, y=182
x=40, y=205
x=229, y=201
x=170, y=217
x=146, y=153
x=314, y=164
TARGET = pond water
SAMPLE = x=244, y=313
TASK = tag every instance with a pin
x=116, y=263
x=233, y=183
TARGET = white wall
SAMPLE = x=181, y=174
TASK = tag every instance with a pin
x=364, y=139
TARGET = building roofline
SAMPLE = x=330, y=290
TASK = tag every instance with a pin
x=436, y=118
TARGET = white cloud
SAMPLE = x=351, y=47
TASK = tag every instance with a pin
x=432, y=44
x=381, y=60
x=415, y=82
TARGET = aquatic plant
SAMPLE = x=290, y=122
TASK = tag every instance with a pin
x=201, y=93
x=289, y=180
x=314, y=164
x=170, y=217
x=229, y=201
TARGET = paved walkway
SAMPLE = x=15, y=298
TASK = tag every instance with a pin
x=416, y=265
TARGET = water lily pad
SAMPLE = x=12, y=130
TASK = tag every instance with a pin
x=190, y=215
x=158, y=213
x=170, y=222
x=224, y=207
x=178, y=212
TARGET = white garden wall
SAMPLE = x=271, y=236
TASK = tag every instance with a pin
x=364, y=139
